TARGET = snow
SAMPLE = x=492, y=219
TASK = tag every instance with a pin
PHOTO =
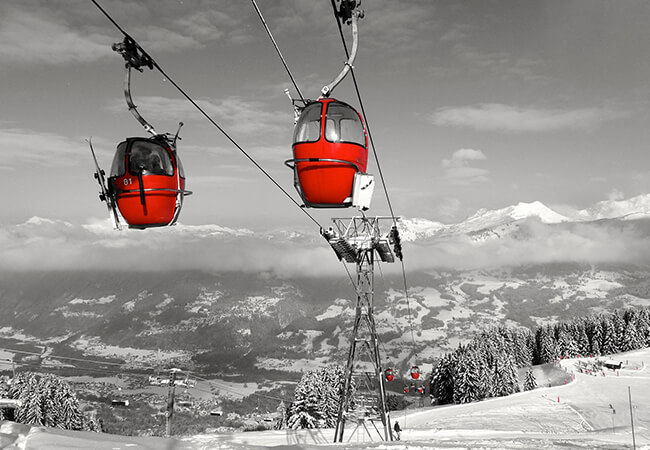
x=292, y=365
x=577, y=415
x=93, y=301
x=631, y=208
x=487, y=285
x=414, y=229
x=331, y=312
x=417, y=228
x=93, y=346
x=590, y=412
x=536, y=209
x=484, y=219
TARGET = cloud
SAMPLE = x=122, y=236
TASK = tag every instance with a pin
x=500, y=64
x=398, y=26
x=42, y=32
x=234, y=114
x=500, y=117
x=43, y=244
x=458, y=170
x=538, y=243
x=615, y=194
x=50, y=245
x=28, y=38
x=45, y=149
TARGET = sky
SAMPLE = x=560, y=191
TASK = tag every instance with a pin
x=471, y=104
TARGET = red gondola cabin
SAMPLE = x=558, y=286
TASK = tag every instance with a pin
x=330, y=146
x=415, y=372
x=148, y=182
x=389, y=374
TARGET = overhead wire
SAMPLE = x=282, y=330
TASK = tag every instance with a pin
x=381, y=174
x=212, y=121
x=243, y=151
x=277, y=49
x=206, y=115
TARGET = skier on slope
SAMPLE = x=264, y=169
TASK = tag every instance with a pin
x=398, y=430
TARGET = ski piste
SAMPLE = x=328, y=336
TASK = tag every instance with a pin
x=104, y=194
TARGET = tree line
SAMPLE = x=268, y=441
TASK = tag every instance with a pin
x=488, y=365
x=45, y=399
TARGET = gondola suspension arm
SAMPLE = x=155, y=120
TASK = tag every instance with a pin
x=353, y=15
x=134, y=59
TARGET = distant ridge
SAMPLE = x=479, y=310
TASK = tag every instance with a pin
x=628, y=209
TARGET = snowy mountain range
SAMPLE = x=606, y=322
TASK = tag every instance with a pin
x=637, y=207
x=411, y=229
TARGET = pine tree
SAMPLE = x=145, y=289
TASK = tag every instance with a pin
x=47, y=400
x=582, y=341
x=595, y=335
x=619, y=329
x=316, y=398
x=545, y=344
x=610, y=344
x=282, y=416
x=467, y=384
x=442, y=380
x=530, y=383
x=631, y=339
x=643, y=326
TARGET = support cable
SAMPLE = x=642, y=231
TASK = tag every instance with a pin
x=372, y=143
x=206, y=115
x=211, y=120
x=381, y=174
x=277, y=49
x=216, y=125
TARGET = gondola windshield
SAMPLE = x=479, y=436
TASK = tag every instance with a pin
x=343, y=125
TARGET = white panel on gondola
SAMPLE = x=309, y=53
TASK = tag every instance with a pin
x=364, y=186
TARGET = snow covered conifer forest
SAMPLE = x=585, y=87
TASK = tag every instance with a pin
x=487, y=365
x=45, y=400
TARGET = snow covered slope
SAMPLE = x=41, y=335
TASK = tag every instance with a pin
x=591, y=412
x=484, y=220
x=631, y=208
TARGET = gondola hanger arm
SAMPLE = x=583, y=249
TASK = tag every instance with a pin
x=355, y=15
x=135, y=58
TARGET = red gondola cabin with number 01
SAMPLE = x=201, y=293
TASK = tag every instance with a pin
x=415, y=372
x=330, y=145
x=148, y=182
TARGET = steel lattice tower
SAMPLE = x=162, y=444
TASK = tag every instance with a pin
x=363, y=400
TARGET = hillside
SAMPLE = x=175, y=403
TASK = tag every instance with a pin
x=591, y=412
x=233, y=322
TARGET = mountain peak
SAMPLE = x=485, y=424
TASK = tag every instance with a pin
x=631, y=208
x=536, y=209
